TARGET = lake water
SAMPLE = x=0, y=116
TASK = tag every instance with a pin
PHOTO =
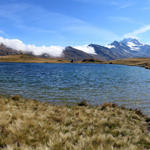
x=71, y=83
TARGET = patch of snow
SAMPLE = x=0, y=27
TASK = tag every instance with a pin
x=133, y=46
x=126, y=51
x=110, y=46
x=86, y=49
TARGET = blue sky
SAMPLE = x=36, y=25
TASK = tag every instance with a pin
x=74, y=22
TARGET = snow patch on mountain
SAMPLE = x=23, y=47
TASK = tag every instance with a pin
x=86, y=49
x=133, y=46
x=110, y=46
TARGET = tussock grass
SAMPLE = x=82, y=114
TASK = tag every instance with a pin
x=33, y=125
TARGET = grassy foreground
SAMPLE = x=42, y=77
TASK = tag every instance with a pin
x=33, y=125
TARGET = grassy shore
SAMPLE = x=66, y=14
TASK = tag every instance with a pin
x=32, y=125
x=142, y=62
x=30, y=59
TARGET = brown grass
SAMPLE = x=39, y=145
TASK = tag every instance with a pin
x=33, y=125
x=142, y=62
x=30, y=59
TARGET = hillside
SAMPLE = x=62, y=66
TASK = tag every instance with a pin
x=127, y=48
x=71, y=53
x=4, y=50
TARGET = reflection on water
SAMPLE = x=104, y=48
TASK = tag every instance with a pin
x=65, y=83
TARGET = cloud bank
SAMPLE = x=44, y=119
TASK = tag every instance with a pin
x=54, y=51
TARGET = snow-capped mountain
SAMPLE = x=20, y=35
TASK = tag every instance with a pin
x=134, y=44
x=116, y=50
x=130, y=48
x=128, y=44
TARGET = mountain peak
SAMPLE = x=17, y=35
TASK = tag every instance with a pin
x=115, y=44
x=132, y=43
x=131, y=40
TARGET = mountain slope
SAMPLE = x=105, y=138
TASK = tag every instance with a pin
x=126, y=48
x=71, y=53
x=4, y=50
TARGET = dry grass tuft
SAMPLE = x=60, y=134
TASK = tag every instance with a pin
x=32, y=125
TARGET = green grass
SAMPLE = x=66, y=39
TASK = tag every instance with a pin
x=33, y=125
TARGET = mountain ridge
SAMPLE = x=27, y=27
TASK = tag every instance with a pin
x=126, y=48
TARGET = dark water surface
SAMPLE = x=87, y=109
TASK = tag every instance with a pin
x=65, y=83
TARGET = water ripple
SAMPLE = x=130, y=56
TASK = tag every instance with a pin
x=67, y=83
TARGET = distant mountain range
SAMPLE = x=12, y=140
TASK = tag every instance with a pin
x=126, y=48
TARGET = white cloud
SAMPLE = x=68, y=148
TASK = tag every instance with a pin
x=32, y=20
x=34, y=17
x=138, y=31
x=122, y=19
x=118, y=4
x=55, y=51
x=86, y=49
x=147, y=5
x=91, y=31
x=121, y=4
x=1, y=32
x=91, y=1
x=142, y=30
